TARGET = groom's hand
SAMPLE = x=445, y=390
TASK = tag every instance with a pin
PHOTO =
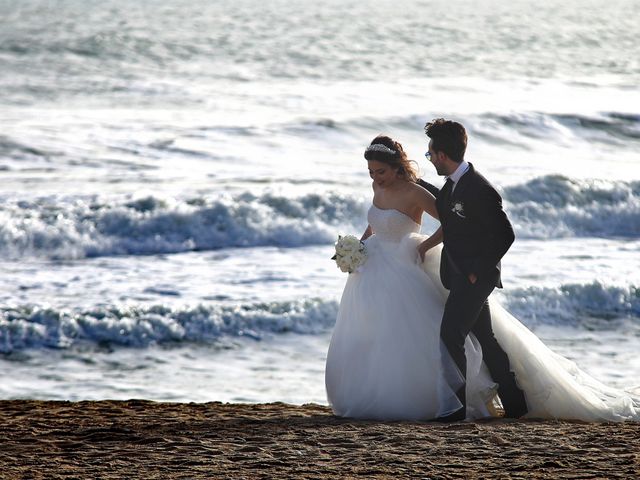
x=472, y=278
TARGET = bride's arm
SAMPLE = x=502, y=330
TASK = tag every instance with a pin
x=430, y=242
x=426, y=201
x=367, y=233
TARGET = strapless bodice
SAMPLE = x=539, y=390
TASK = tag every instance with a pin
x=391, y=225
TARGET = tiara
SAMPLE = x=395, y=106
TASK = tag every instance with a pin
x=378, y=147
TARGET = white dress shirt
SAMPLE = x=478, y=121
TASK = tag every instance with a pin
x=457, y=175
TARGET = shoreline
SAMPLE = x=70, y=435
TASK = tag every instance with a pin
x=145, y=439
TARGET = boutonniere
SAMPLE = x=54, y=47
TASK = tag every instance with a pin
x=458, y=209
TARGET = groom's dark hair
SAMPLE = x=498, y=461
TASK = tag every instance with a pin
x=449, y=137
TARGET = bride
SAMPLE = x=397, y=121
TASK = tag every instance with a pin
x=385, y=359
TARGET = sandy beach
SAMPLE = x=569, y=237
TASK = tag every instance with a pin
x=143, y=439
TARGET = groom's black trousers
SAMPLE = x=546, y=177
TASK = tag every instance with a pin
x=467, y=310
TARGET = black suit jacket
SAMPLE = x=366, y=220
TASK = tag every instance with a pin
x=476, y=230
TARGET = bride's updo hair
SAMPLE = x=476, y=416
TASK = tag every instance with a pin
x=386, y=150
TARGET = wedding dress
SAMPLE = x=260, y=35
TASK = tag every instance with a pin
x=384, y=360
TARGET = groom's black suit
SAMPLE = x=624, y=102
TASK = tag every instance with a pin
x=476, y=235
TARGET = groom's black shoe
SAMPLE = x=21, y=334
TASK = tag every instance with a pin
x=516, y=412
x=456, y=416
x=513, y=400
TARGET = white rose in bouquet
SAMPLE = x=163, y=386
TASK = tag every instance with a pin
x=350, y=253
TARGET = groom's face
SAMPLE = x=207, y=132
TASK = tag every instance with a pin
x=437, y=158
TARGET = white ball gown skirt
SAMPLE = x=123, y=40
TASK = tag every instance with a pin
x=384, y=360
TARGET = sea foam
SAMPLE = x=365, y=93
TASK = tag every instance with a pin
x=71, y=228
x=130, y=326
x=593, y=306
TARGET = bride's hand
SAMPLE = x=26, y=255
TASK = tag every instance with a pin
x=429, y=243
x=423, y=248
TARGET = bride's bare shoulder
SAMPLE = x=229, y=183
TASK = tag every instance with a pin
x=418, y=191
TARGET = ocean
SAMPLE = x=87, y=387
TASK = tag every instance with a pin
x=173, y=176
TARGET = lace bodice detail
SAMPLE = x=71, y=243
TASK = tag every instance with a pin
x=391, y=225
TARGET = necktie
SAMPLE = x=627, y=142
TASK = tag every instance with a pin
x=446, y=190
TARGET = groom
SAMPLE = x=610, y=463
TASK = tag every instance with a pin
x=476, y=233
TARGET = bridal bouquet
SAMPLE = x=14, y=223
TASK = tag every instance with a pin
x=350, y=253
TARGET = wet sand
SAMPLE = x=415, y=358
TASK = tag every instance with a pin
x=142, y=439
